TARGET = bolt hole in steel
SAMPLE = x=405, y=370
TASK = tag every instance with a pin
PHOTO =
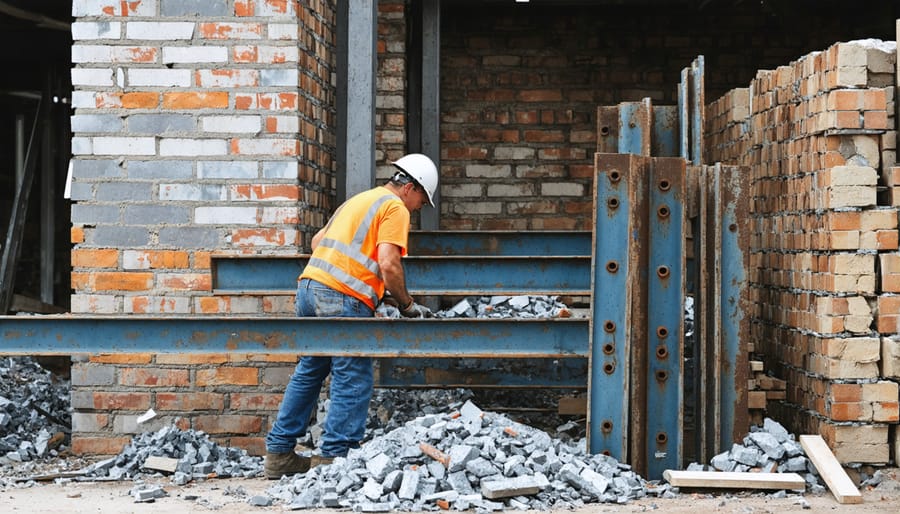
x=732, y=228
x=662, y=375
x=612, y=266
x=662, y=272
x=615, y=176
x=662, y=332
x=662, y=352
x=613, y=203
x=608, y=368
x=604, y=130
x=662, y=438
x=609, y=348
x=606, y=426
x=665, y=185
x=609, y=327
x=663, y=212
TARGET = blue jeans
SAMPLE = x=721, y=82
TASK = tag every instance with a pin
x=351, y=382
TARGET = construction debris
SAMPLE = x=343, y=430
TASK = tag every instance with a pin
x=464, y=459
x=35, y=417
x=840, y=484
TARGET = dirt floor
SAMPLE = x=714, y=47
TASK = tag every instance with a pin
x=232, y=495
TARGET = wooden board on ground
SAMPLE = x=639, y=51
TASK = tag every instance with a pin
x=735, y=480
x=830, y=469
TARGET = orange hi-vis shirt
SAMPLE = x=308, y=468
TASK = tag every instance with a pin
x=346, y=258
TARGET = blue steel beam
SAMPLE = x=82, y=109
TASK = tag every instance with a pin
x=665, y=296
x=374, y=337
x=635, y=129
x=482, y=275
x=608, y=379
x=500, y=243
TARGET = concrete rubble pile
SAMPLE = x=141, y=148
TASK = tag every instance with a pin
x=466, y=459
x=521, y=306
x=198, y=457
x=767, y=449
x=35, y=415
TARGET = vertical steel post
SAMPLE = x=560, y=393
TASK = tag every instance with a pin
x=665, y=299
x=613, y=284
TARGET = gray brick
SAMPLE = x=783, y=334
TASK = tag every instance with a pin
x=119, y=237
x=160, y=169
x=96, y=123
x=277, y=376
x=278, y=77
x=81, y=191
x=122, y=191
x=161, y=123
x=92, y=374
x=91, y=214
x=96, y=168
x=82, y=399
x=280, y=169
x=194, y=8
x=88, y=422
x=155, y=214
x=227, y=169
x=189, y=237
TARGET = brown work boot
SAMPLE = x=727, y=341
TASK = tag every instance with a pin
x=289, y=463
x=320, y=460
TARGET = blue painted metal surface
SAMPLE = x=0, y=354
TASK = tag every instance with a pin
x=508, y=243
x=665, y=131
x=569, y=373
x=635, y=127
x=664, y=434
x=608, y=384
x=483, y=275
x=375, y=337
x=732, y=193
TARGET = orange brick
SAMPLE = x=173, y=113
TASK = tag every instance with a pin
x=886, y=412
x=228, y=376
x=874, y=99
x=228, y=424
x=272, y=357
x=186, y=281
x=121, y=281
x=214, y=30
x=890, y=283
x=80, y=281
x=98, y=445
x=195, y=100
x=76, y=235
x=846, y=220
x=190, y=401
x=121, y=401
x=887, y=239
x=852, y=411
x=846, y=392
x=164, y=259
x=245, y=54
x=122, y=358
x=845, y=100
x=255, y=401
x=213, y=304
x=875, y=120
x=202, y=260
x=154, y=377
x=100, y=258
x=139, y=100
x=192, y=358
x=847, y=120
x=244, y=7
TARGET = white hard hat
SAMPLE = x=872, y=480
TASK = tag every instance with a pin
x=421, y=169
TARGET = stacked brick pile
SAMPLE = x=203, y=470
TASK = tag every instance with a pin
x=818, y=138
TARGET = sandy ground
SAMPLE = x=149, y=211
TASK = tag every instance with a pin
x=231, y=496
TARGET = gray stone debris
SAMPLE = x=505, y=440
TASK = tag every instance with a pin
x=770, y=448
x=486, y=462
x=522, y=306
x=198, y=457
x=35, y=416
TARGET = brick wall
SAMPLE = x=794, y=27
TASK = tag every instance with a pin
x=819, y=137
x=199, y=127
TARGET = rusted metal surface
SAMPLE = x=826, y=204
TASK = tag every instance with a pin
x=569, y=373
x=665, y=317
x=374, y=337
x=500, y=242
x=635, y=127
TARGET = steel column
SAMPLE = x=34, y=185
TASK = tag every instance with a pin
x=635, y=127
x=614, y=282
x=665, y=316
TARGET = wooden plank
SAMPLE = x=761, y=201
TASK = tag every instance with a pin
x=571, y=406
x=830, y=469
x=734, y=480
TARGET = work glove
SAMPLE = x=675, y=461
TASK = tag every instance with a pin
x=416, y=311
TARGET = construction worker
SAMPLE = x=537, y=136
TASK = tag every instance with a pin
x=356, y=258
